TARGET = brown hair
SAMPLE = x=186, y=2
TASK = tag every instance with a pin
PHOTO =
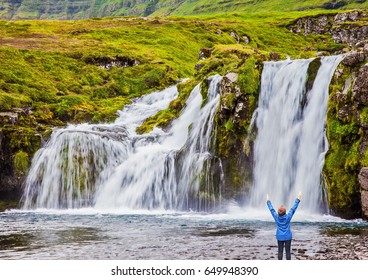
x=282, y=210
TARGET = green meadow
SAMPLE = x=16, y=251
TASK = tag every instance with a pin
x=61, y=68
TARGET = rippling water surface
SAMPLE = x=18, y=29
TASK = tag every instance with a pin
x=87, y=234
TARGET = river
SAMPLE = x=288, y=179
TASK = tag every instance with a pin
x=88, y=234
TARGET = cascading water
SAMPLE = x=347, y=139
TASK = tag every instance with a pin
x=110, y=166
x=291, y=143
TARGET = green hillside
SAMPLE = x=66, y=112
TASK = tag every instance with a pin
x=81, y=9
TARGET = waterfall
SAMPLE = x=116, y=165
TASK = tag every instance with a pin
x=110, y=166
x=291, y=143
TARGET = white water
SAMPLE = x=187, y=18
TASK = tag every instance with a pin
x=291, y=143
x=111, y=167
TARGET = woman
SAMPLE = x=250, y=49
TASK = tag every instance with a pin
x=283, y=232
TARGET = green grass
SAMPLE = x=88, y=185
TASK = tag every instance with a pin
x=53, y=66
x=62, y=9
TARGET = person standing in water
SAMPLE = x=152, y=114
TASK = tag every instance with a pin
x=283, y=232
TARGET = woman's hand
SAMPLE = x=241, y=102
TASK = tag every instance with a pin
x=267, y=197
x=299, y=195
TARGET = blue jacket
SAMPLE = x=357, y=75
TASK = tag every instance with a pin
x=283, y=231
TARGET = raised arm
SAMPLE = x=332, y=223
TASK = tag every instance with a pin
x=270, y=207
x=295, y=206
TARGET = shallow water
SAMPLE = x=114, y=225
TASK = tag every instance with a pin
x=88, y=234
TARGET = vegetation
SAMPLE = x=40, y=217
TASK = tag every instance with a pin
x=87, y=70
x=343, y=160
x=62, y=9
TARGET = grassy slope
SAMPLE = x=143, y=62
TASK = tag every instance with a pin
x=251, y=6
x=47, y=64
x=33, y=9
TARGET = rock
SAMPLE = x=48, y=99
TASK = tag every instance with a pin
x=241, y=110
x=233, y=77
x=8, y=118
x=205, y=53
x=218, y=31
x=360, y=87
x=314, y=25
x=350, y=16
x=198, y=66
x=345, y=113
x=363, y=178
x=323, y=53
x=235, y=36
x=364, y=201
x=349, y=34
x=341, y=32
x=363, y=146
x=246, y=39
x=353, y=59
x=363, y=181
x=274, y=56
x=108, y=63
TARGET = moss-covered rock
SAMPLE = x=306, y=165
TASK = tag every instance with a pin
x=346, y=135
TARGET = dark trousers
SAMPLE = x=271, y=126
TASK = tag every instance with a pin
x=281, y=245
